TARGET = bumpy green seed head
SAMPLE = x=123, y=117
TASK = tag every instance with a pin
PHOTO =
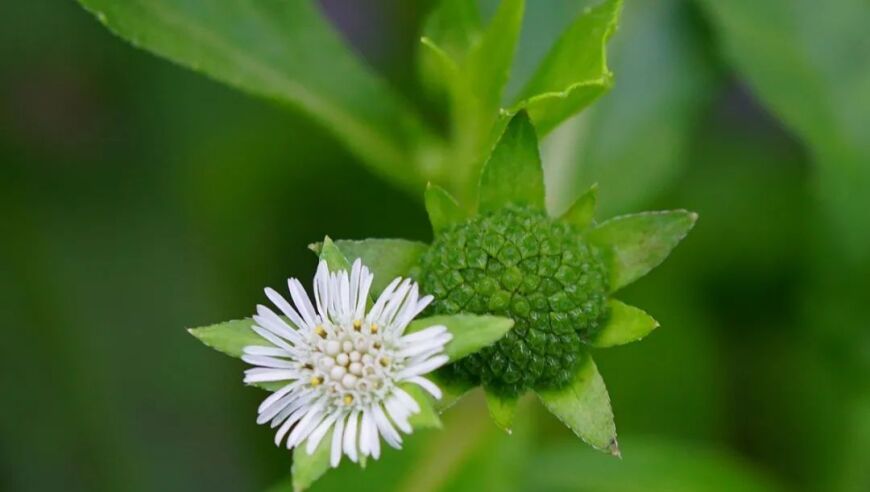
x=518, y=263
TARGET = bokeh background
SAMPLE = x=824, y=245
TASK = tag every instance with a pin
x=137, y=199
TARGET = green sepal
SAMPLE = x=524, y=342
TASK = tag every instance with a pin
x=444, y=211
x=502, y=410
x=584, y=406
x=385, y=258
x=513, y=172
x=625, y=324
x=333, y=256
x=640, y=242
x=307, y=468
x=581, y=213
x=470, y=332
x=574, y=73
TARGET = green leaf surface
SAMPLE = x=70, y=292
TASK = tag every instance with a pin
x=287, y=52
x=640, y=242
x=444, y=211
x=625, y=324
x=452, y=390
x=581, y=213
x=501, y=410
x=584, y=406
x=633, y=142
x=427, y=418
x=453, y=25
x=574, y=73
x=333, y=256
x=307, y=468
x=513, y=172
x=470, y=332
x=386, y=258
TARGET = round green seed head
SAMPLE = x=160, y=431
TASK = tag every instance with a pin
x=518, y=263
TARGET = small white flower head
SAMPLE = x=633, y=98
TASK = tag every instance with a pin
x=343, y=366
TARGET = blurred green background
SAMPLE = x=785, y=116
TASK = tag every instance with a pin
x=137, y=199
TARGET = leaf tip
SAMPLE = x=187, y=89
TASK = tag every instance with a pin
x=613, y=449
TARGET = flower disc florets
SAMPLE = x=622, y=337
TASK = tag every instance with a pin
x=518, y=263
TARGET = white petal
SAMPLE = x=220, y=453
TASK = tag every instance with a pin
x=425, y=334
x=427, y=385
x=407, y=400
x=386, y=295
x=436, y=344
x=266, y=361
x=276, y=395
x=424, y=367
x=390, y=435
x=263, y=375
x=350, y=436
x=302, y=302
x=260, y=350
x=285, y=307
x=305, y=426
x=398, y=414
x=337, y=434
x=321, y=430
x=321, y=289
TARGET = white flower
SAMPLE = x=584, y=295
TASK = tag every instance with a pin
x=343, y=366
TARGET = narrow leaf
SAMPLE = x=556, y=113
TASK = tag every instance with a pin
x=307, y=468
x=470, y=332
x=513, y=173
x=582, y=211
x=625, y=324
x=442, y=208
x=640, y=242
x=574, y=73
x=288, y=52
x=231, y=338
x=584, y=406
x=501, y=409
x=453, y=25
x=427, y=418
x=386, y=258
x=332, y=255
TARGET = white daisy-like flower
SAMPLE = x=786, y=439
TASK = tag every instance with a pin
x=344, y=366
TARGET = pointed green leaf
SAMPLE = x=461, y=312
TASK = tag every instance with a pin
x=501, y=409
x=470, y=332
x=513, y=173
x=640, y=242
x=333, y=256
x=276, y=50
x=625, y=324
x=582, y=211
x=584, y=406
x=386, y=258
x=231, y=338
x=427, y=418
x=574, y=73
x=442, y=208
x=307, y=468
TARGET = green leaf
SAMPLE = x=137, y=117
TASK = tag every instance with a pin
x=443, y=209
x=453, y=25
x=574, y=73
x=332, y=255
x=640, y=242
x=625, y=324
x=287, y=52
x=584, y=406
x=427, y=418
x=470, y=332
x=307, y=468
x=386, y=258
x=231, y=338
x=513, y=173
x=634, y=141
x=582, y=211
x=501, y=409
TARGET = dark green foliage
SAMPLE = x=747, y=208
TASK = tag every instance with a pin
x=517, y=263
